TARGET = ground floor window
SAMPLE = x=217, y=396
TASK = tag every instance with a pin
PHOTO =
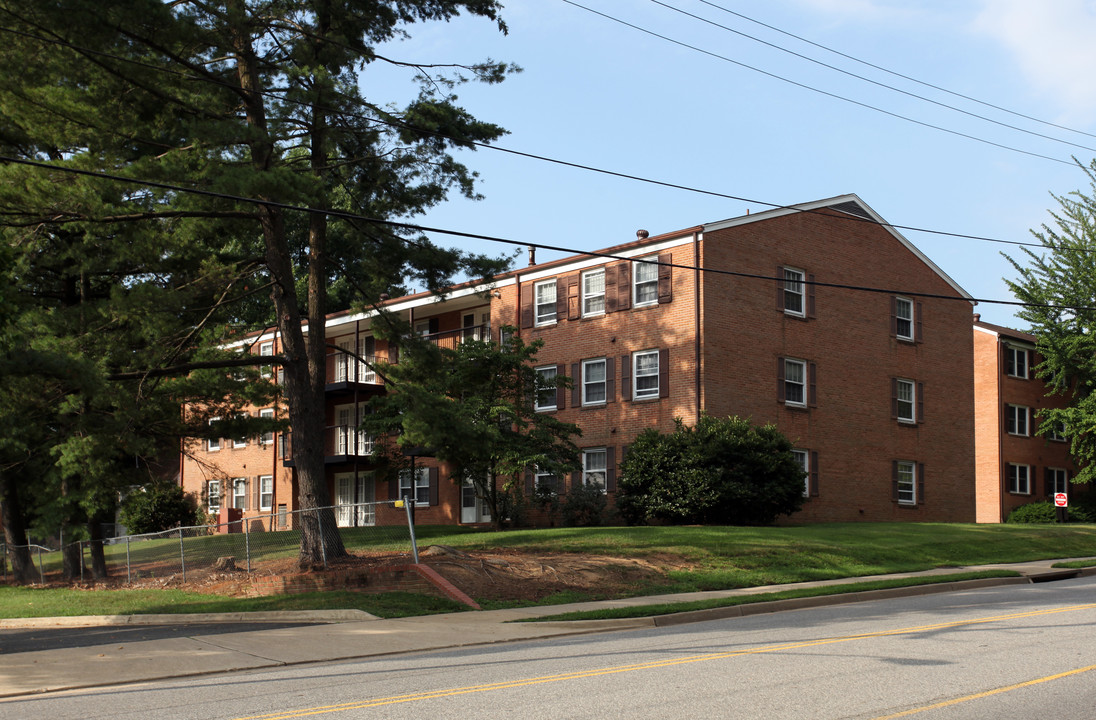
x=594, y=467
x=1019, y=479
x=1057, y=481
x=907, y=482
x=419, y=489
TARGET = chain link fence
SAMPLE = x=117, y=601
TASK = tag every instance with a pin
x=376, y=529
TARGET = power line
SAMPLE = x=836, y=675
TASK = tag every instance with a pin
x=342, y=214
x=869, y=80
x=897, y=74
x=835, y=96
x=400, y=124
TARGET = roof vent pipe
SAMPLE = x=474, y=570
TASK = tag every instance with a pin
x=532, y=255
x=642, y=234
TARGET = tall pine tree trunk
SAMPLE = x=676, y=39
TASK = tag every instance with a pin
x=15, y=530
x=98, y=557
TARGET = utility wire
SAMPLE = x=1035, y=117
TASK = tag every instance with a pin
x=342, y=214
x=403, y=125
x=897, y=74
x=835, y=96
x=869, y=80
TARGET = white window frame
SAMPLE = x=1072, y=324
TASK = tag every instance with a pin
x=267, y=438
x=905, y=403
x=903, y=322
x=266, y=492
x=594, y=461
x=804, y=459
x=546, y=389
x=266, y=349
x=240, y=442
x=593, y=301
x=794, y=288
x=1013, y=359
x=540, y=478
x=801, y=383
x=1013, y=478
x=1018, y=415
x=648, y=391
x=422, y=486
x=239, y=493
x=1056, y=477
x=587, y=384
x=544, y=311
x=907, y=482
x=1057, y=431
x=213, y=444
x=642, y=285
x=213, y=498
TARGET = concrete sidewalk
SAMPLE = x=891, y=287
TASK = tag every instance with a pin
x=343, y=635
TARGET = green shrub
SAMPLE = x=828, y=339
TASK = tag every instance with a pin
x=584, y=506
x=159, y=507
x=1044, y=512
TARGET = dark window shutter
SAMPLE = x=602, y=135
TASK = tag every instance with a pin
x=393, y=353
x=529, y=485
x=918, y=337
x=574, y=307
x=561, y=390
x=625, y=377
x=610, y=469
x=576, y=384
x=810, y=296
x=434, y=326
x=1032, y=362
x=894, y=317
x=255, y=493
x=527, y=305
x=433, y=475
x=1047, y=488
x=664, y=373
x=576, y=479
x=247, y=496
x=920, y=483
x=814, y=474
x=611, y=288
x=561, y=299
x=205, y=492
x=624, y=285
x=394, y=489
x=894, y=398
x=780, y=379
x=780, y=288
x=812, y=397
x=624, y=452
x=610, y=380
x=665, y=279
x=894, y=480
x=920, y=402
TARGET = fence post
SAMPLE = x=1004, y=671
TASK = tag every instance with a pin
x=411, y=528
x=80, y=544
x=247, y=545
x=41, y=568
x=323, y=540
x=182, y=555
x=129, y=576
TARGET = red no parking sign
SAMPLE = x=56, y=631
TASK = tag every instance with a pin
x=1060, y=500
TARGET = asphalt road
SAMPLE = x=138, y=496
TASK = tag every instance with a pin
x=1018, y=651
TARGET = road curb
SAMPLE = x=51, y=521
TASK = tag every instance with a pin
x=272, y=616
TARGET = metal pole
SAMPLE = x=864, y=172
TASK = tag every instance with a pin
x=41, y=568
x=80, y=544
x=323, y=541
x=247, y=546
x=129, y=576
x=182, y=555
x=409, y=508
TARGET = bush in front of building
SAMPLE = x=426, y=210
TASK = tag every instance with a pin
x=1044, y=512
x=724, y=471
x=159, y=507
x=584, y=506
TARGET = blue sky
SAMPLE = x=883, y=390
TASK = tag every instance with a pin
x=598, y=93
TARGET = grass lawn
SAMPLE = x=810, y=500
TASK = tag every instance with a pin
x=724, y=557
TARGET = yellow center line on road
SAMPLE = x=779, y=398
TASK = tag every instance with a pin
x=450, y=692
x=987, y=693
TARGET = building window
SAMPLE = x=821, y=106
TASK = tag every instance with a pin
x=645, y=372
x=795, y=382
x=421, y=491
x=546, y=389
x=267, y=438
x=645, y=281
x=1057, y=481
x=1057, y=431
x=903, y=318
x=906, y=477
x=213, y=444
x=593, y=292
x=1016, y=420
x=266, y=492
x=267, y=349
x=546, y=481
x=1019, y=479
x=593, y=382
x=283, y=517
x=793, y=292
x=594, y=467
x=213, y=501
x=804, y=459
x=1016, y=362
x=906, y=401
x=545, y=302
x=240, y=442
x=239, y=493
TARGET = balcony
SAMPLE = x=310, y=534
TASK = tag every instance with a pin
x=341, y=444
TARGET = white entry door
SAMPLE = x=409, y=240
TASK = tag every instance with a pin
x=351, y=512
x=472, y=509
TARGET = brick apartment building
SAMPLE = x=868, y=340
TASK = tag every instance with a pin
x=1014, y=465
x=758, y=316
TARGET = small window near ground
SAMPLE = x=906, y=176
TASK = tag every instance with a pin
x=266, y=492
x=1019, y=479
x=804, y=459
x=594, y=468
x=421, y=489
x=907, y=482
